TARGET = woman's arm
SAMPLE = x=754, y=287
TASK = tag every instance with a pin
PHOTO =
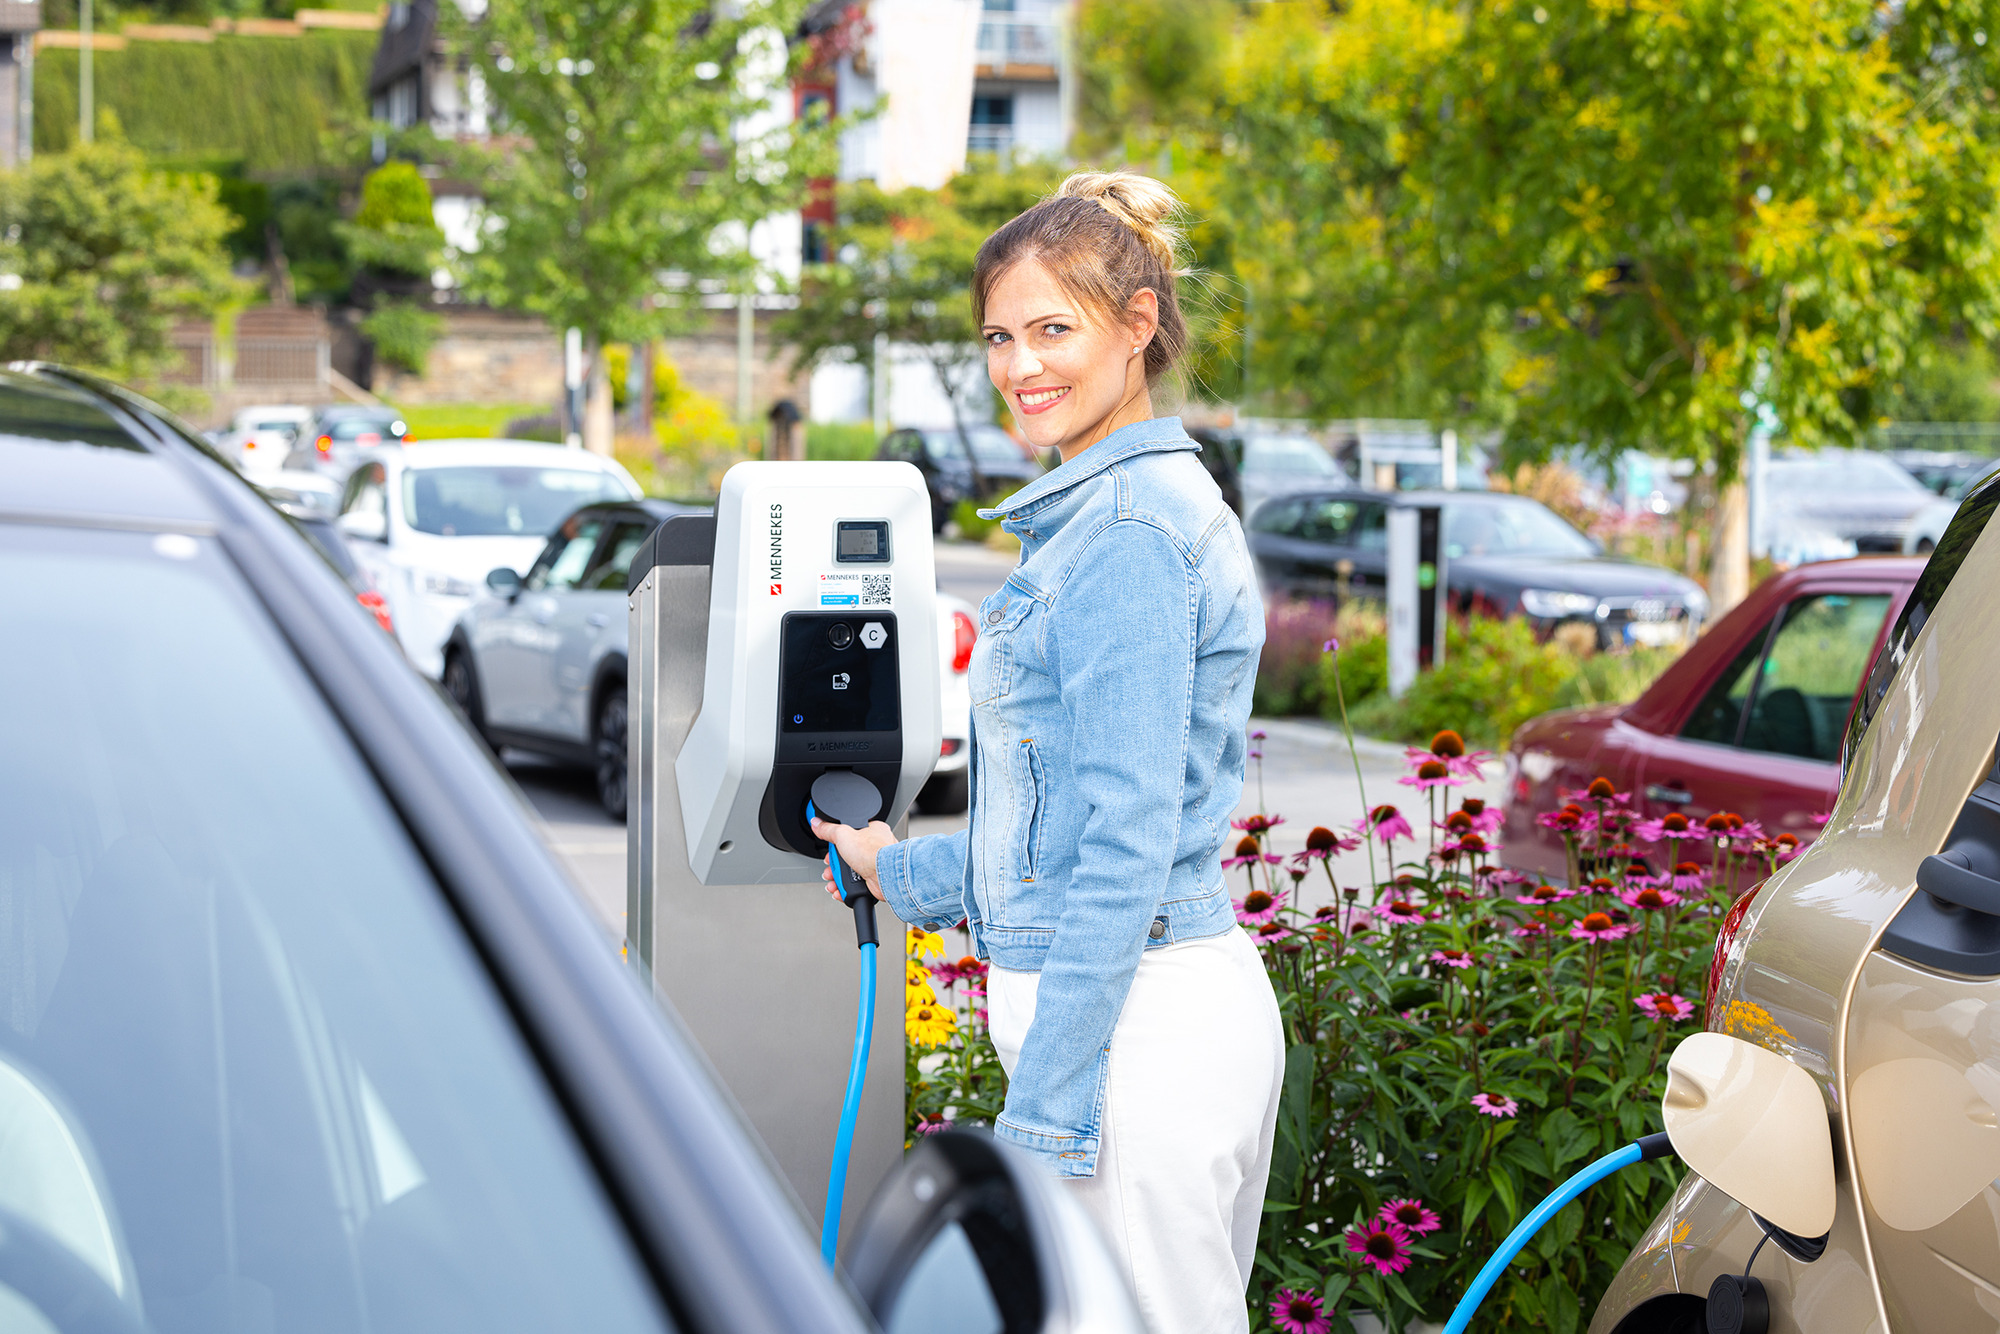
x=1124, y=663
x=921, y=879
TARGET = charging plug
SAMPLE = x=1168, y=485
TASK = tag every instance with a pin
x=845, y=797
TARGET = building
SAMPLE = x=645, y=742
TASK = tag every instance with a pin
x=19, y=21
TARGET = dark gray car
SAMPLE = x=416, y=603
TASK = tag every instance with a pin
x=978, y=462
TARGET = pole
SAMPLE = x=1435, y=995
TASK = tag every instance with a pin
x=1403, y=597
x=746, y=336
x=573, y=388
x=85, y=112
x=878, y=394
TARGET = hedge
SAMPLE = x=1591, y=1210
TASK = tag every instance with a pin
x=269, y=102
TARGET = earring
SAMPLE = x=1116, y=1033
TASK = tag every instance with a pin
x=1135, y=351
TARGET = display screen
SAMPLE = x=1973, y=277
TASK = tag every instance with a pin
x=837, y=673
x=861, y=540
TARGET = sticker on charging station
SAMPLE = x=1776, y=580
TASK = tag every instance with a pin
x=854, y=590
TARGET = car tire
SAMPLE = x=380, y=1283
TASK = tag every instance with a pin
x=946, y=794
x=613, y=770
x=461, y=687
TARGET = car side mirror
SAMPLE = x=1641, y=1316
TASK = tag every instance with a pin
x=504, y=582
x=970, y=1233
x=364, y=525
x=1754, y=1126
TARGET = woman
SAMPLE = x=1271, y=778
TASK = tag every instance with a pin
x=1111, y=687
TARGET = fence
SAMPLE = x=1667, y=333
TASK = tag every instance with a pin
x=272, y=348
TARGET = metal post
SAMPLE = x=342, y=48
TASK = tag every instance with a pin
x=746, y=342
x=1448, y=459
x=573, y=388
x=85, y=112
x=878, y=395
x=1402, y=559
x=24, y=115
x=762, y=977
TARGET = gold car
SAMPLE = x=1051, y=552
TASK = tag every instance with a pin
x=1873, y=963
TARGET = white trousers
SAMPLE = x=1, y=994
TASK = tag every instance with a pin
x=1197, y=1059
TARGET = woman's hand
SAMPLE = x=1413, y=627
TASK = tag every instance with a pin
x=857, y=848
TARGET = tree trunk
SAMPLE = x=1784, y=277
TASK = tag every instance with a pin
x=1729, y=561
x=600, y=423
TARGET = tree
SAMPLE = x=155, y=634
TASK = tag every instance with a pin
x=902, y=273
x=108, y=255
x=641, y=146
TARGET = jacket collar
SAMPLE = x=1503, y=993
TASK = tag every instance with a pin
x=1157, y=435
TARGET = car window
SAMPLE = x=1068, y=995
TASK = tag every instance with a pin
x=1283, y=517
x=288, y=1094
x=493, y=501
x=365, y=493
x=616, y=562
x=1502, y=528
x=1810, y=673
x=1719, y=715
x=1287, y=455
x=566, y=557
x=990, y=444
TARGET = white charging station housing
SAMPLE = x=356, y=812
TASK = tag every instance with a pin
x=822, y=654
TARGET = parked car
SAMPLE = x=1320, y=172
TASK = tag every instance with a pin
x=303, y=1024
x=308, y=490
x=945, y=455
x=539, y=663
x=339, y=439
x=1504, y=555
x=259, y=438
x=1854, y=494
x=1927, y=527
x=1748, y=720
x=316, y=525
x=1259, y=465
x=1950, y=473
x=1870, y=963
x=429, y=521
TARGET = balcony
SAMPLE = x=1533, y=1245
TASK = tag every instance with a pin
x=1018, y=49
x=996, y=139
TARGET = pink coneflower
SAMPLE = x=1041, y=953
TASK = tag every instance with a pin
x=1496, y=1105
x=1386, y=1246
x=1471, y=845
x=1687, y=877
x=1430, y=774
x=1452, y=958
x=1485, y=819
x=1541, y=895
x=1257, y=825
x=1384, y=822
x=1257, y=735
x=1448, y=748
x=1249, y=854
x=1571, y=819
x=1821, y=817
x=1295, y=1312
x=1599, y=789
x=1272, y=933
x=967, y=969
x=1597, y=927
x=1496, y=878
x=1649, y=898
x=1665, y=1006
x=1399, y=912
x=933, y=1124
x=1359, y=919
x=1672, y=825
x=1258, y=907
x=1330, y=646
x=1411, y=1215
x=1322, y=843
x=1532, y=930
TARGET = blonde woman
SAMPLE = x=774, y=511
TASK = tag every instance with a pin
x=1111, y=688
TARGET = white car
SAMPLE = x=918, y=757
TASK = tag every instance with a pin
x=428, y=521
x=1927, y=527
x=258, y=438
x=538, y=663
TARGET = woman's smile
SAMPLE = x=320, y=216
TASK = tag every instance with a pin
x=1033, y=401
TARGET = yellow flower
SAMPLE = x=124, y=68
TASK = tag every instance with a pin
x=929, y=1025
x=918, y=993
x=923, y=942
x=914, y=973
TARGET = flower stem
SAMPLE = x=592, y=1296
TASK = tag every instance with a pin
x=1355, y=756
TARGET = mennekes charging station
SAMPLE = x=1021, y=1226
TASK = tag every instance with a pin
x=783, y=659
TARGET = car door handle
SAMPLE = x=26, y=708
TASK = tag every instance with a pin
x=1670, y=796
x=1949, y=878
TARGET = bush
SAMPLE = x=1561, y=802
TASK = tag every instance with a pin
x=403, y=333
x=841, y=440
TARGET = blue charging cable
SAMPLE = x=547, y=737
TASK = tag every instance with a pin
x=863, y=904
x=1640, y=1151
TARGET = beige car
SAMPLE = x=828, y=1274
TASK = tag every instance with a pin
x=1873, y=964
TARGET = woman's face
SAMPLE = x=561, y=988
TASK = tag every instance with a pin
x=1070, y=375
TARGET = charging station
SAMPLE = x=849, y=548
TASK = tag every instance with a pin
x=783, y=650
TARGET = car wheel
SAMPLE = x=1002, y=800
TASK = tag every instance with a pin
x=1925, y=546
x=946, y=794
x=612, y=770
x=461, y=687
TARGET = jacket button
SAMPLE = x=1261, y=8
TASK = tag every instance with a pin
x=993, y=617
x=1159, y=928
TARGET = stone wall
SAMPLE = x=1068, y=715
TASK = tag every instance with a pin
x=707, y=362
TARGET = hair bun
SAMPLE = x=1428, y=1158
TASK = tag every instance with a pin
x=1145, y=205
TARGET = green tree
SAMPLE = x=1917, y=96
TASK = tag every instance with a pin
x=107, y=254
x=394, y=230
x=642, y=151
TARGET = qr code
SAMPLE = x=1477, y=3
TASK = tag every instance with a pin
x=874, y=590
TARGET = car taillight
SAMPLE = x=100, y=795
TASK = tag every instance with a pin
x=1725, y=936
x=379, y=606
x=324, y=443
x=949, y=746
x=964, y=634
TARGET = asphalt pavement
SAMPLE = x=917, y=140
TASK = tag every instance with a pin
x=1306, y=775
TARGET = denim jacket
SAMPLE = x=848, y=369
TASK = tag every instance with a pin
x=1111, y=686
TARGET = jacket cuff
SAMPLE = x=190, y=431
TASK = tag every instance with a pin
x=1063, y=1155
x=892, y=873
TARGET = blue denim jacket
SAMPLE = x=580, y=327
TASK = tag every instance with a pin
x=1111, y=687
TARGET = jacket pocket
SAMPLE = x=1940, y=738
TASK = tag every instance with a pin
x=1033, y=802
x=992, y=675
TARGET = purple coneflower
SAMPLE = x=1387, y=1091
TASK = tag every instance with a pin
x=1571, y=819
x=1665, y=1006
x=1687, y=878
x=933, y=1124
x=1452, y=958
x=1322, y=843
x=1330, y=646
x=1485, y=819
x=1496, y=1105
x=1258, y=907
x=1399, y=912
x=1411, y=1215
x=1532, y=930
x=1257, y=735
x=1544, y=894
x=1295, y=1312
x=1672, y=825
x=1448, y=747
x=1257, y=825
x=1384, y=822
x=1597, y=927
x=1249, y=854
x=1386, y=1246
x=1649, y=898
x=1599, y=789
x=1430, y=774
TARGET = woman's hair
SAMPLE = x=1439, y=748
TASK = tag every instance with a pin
x=1103, y=235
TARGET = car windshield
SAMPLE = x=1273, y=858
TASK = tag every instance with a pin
x=285, y=426
x=1518, y=528
x=253, y=1076
x=1843, y=472
x=990, y=445
x=467, y=501
x=1291, y=454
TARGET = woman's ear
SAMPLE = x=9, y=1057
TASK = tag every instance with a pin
x=1142, y=316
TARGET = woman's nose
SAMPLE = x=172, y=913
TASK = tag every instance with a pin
x=1022, y=364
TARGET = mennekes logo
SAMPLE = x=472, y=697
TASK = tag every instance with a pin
x=777, y=549
x=840, y=745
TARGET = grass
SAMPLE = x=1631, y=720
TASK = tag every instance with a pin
x=464, y=421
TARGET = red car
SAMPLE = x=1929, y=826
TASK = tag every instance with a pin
x=1750, y=719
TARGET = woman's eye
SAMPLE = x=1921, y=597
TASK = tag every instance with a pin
x=995, y=339
x=1055, y=330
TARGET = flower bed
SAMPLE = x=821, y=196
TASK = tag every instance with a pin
x=1459, y=1041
